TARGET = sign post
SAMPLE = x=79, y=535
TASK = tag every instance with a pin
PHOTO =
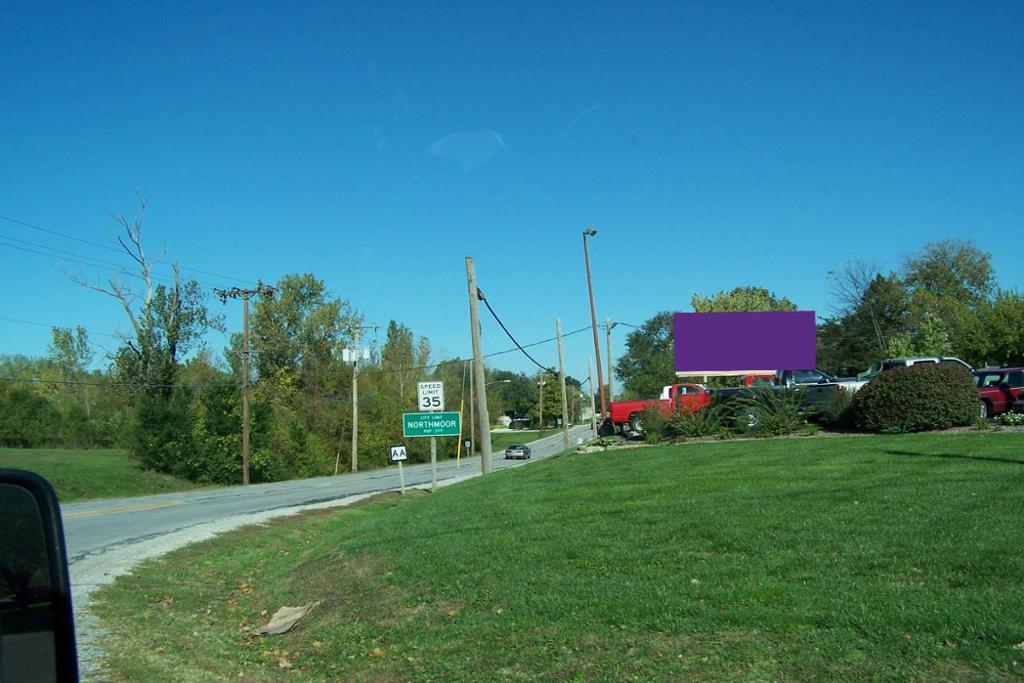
x=398, y=455
x=430, y=397
x=432, y=425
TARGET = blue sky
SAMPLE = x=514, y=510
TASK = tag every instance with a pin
x=376, y=145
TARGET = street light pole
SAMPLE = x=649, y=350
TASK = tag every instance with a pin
x=593, y=320
x=540, y=392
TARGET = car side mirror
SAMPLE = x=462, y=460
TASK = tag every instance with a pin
x=37, y=629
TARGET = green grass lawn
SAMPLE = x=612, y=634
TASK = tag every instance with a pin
x=840, y=558
x=87, y=474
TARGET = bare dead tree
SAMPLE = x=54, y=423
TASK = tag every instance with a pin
x=849, y=287
x=120, y=288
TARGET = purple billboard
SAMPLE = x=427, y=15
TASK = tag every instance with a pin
x=739, y=343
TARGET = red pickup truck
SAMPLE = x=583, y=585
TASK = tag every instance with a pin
x=998, y=388
x=628, y=415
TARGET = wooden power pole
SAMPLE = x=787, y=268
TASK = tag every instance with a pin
x=245, y=295
x=478, y=370
x=354, y=355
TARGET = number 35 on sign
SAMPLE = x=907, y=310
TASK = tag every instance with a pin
x=431, y=396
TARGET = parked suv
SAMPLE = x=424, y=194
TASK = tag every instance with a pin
x=880, y=366
x=998, y=388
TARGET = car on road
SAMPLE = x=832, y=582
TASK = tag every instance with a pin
x=998, y=388
x=517, y=452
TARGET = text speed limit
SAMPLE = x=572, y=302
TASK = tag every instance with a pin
x=431, y=396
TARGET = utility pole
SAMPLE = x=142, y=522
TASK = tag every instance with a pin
x=478, y=369
x=593, y=319
x=561, y=381
x=245, y=295
x=608, y=325
x=354, y=355
x=593, y=412
x=355, y=405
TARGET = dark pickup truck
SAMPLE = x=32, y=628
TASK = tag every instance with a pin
x=818, y=390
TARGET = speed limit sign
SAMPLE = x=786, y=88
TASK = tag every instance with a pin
x=431, y=396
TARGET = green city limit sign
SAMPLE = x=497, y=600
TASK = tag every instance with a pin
x=431, y=424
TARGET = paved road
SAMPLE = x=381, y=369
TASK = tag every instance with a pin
x=94, y=528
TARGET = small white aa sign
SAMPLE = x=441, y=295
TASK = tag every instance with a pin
x=398, y=453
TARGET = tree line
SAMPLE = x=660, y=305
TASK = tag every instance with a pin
x=176, y=404
x=944, y=300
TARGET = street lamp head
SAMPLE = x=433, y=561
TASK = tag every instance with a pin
x=590, y=231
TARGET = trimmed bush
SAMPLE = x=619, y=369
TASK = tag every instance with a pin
x=916, y=399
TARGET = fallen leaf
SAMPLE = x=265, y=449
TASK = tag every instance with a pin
x=244, y=587
x=284, y=619
x=376, y=652
x=951, y=644
x=283, y=663
x=454, y=613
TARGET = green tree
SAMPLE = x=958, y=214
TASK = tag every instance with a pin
x=928, y=338
x=1003, y=322
x=70, y=351
x=648, y=363
x=952, y=269
x=952, y=281
x=168, y=322
x=741, y=299
x=297, y=336
x=547, y=385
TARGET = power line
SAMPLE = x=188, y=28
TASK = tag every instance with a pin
x=100, y=263
x=50, y=325
x=537, y=343
x=72, y=254
x=50, y=231
x=122, y=270
x=481, y=297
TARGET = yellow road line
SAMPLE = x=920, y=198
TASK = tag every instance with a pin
x=110, y=511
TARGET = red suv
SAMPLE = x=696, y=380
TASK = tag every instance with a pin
x=998, y=388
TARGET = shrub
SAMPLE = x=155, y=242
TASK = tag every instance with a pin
x=838, y=414
x=654, y=425
x=1012, y=419
x=917, y=398
x=770, y=413
x=709, y=421
x=161, y=434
